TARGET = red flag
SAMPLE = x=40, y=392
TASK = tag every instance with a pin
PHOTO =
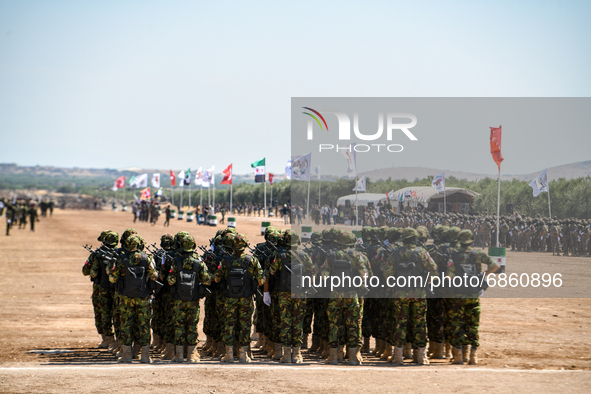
x=495, y=145
x=172, y=179
x=145, y=194
x=227, y=176
x=120, y=182
x=271, y=178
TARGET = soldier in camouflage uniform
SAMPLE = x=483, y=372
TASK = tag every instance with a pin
x=291, y=303
x=318, y=305
x=239, y=305
x=371, y=306
x=161, y=299
x=410, y=304
x=102, y=290
x=344, y=309
x=464, y=313
x=186, y=303
x=132, y=269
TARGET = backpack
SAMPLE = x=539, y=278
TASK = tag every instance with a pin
x=341, y=269
x=465, y=264
x=135, y=278
x=290, y=276
x=187, y=287
x=239, y=282
x=407, y=268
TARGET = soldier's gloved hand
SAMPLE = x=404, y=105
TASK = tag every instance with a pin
x=267, y=298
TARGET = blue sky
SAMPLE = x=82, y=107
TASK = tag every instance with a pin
x=180, y=84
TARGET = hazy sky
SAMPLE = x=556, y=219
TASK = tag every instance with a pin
x=177, y=84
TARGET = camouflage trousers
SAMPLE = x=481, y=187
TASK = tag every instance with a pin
x=308, y=315
x=291, y=319
x=220, y=322
x=158, y=318
x=238, y=320
x=411, y=322
x=102, y=302
x=367, y=324
x=384, y=319
x=135, y=320
x=259, y=320
x=117, y=314
x=321, y=318
x=167, y=305
x=344, y=320
x=186, y=317
x=275, y=321
x=435, y=319
x=210, y=316
x=464, y=319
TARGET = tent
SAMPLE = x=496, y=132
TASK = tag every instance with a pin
x=362, y=199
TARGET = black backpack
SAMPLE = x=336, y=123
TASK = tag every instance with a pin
x=408, y=268
x=340, y=269
x=290, y=276
x=239, y=282
x=187, y=284
x=465, y=264
x=136, y=279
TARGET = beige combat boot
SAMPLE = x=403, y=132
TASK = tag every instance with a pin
x=111, y=342
x=178, y=357
x=365, y=346
x=270, y=349
x=207, y=343
x=380, y=347
x=421, y=359
x=168, y=352
x=354, y=356
x=243, y=358
x=332, y=358
x=325, y=349
x=296, y=355
x=316, y=343
x=457, y=355
x=397, y=357
x=229, y=357
x=192, y=355
x=465, y=352
x=260, y=341
x=387, y=353
x=156, y=340
x=473, y=357
x=125, y=355
x=407, y=353
x=145, y=355
x=286, y=355
x=114, y=346
x=448, y=353
x=104, y=343
x=340, y=354
x=135, y=351
x=305, y=341
x=212, y=348
x=221, y=350
x=437, y=351
x=277, y=354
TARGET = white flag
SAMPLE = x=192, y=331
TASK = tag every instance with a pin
x=199, y=177
x=208, y=177
x=439, y=182
x=351, y=156
x=288, y=169
x=140, y=181
x=360, y=185
x=156, y=180
x=390, y=195
x=181, y=177
x=301, y=167
x=540, y=184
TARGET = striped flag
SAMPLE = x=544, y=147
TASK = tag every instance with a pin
x=259, y=171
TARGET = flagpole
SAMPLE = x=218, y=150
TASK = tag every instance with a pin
x=308, y=202
x=230, y=199
x=498, y=205
x=319, y=180
x=271, y=197
x=356, y=205
x=213, y=192
x=265, y=194
x=172, y=194
x=189, y=194
x=444, y=200
x=549, y=208
x=201, y=198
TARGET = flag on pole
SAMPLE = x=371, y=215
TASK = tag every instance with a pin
x=495, y=145
x=208, y=177
x=115, y=188
x=351, y=156
x=259, y=170
x=139, y=181
x=540, y=184
x=288, y=169
x=120, y=182
x=159, y=192
x=271, y=179
x=301, y=167
x=145, y=194
x=199, y=177
x=172, y=178
x=439, y=182
x=181, y=177
x=360, y=187
x=227, y=176
x=390, y=195
x=132, y=182
x=317, y=171
x=156, y=180
x=187, y=178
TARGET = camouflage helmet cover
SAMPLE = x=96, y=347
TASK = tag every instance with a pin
x=111, y=239
x=466, y=237
x=240, y=242
x=188, y=244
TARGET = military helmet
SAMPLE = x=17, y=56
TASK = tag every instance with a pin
x=295, y=238
x=394, y=234
x=102, y=236
x=316, y=238
x=326, y=236
x=346, y=238
x=133, y=243
x=270, y=232
x=126, y=234
x=465, y=237
x=409, y=234
x=452, y=234
x=228, y=240
x=436, y=232
x=178, y=239
x=188, y=244
x=423, y=233
x=111, y=239
x=366, y=233
x=382, y=232
x=240, y=242
x=167, y=242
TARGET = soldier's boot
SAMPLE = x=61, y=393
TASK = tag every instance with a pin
x=407, y=351
x=213, y=347
x=162, y=347
x=305, y=341
x=278, y=352
x=387, y=352
x=325, y=349
x=155, y=341
x=270, y=349
x=104, y=343
x=365, y=346
x=397, y=357
x=379, y=348
x=145, y=358
x=415, y=355
x=448, y=347
x=135, y=351
x=457, y=355
x=249, y=352
x=421, y=358
x=114, y=345
x=119, y=350
x=244, y=355
x=255, y=336
x=296, y=355
x=236, y=351
x=168, y=352
x=221, y=350
x=437, y=353
x=430, y=348
x=465, y=352
x=346, y=352
x=229, y=357
x=125, y=355
x=178, y=357
x=207, y=344
x=286, y=355
x=111, y=342
x=316, y=342
x=354, y=356
x=260, y=342
x=340, y=354
x=192, y=355
x=473, y=357
x=332, y=358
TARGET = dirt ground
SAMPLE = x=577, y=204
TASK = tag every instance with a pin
x=48, y=340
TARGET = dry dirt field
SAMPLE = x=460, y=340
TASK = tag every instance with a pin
x=48, y=340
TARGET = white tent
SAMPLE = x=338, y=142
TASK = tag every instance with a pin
x=363, y=199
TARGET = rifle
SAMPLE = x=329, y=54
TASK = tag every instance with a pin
x=105, y=252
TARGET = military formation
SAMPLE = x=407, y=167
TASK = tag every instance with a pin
x=23, y=213
x=143, y=292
